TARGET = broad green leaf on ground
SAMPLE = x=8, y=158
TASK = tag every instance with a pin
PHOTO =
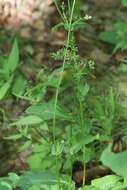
x=46, y=111
x=42, y=162
x=37, y=165
x=43, y=147
x=116, y=162
x=124, y=3
x=19, y=86
x=5, y=186
x=121, y=28
x=109, y=182
x=42, y=157
x=39, y=179
x=28, y=179
x=13, y=58
x=109, y=37
x=120, y=186
x=27, y=120
x=4, y=89
x=106, y=183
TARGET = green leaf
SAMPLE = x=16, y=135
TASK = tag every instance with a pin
x=14, y=137
x=46, y=111
x=121, y=28
x=124, y=3
x=106, y=183
x=78, y=25
x=43, y=161
x=25, y=145
x=28, y=120
x=116, y=162
x=4, y=89
x=122, y=68
x=13, y=58
x=37, y=148
x=38, y=164
x=122, y=186
x=57, y=148
x=44, y=127
x=14, y=178
x=42, y=179
x=84, y=140
x=28, y=179
x=82, y=91
x=3, y=74
x=58, y=26
x=19, y=86
x=109, y=37
x=5, y=186
x=53, y=81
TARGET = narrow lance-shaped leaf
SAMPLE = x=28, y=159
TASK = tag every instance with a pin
x=14, y=137
x=13, y=58
x=4, y=89
x=27, y=120
x=46, y=111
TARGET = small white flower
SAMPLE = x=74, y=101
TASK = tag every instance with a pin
x=87, y=17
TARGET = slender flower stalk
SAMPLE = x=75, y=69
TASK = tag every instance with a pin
x=63, y=65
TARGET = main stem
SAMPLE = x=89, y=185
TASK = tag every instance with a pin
x=61, y=76
x=63, y=67
x=82, y=126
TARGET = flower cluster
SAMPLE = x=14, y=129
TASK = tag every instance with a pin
x=15, y=13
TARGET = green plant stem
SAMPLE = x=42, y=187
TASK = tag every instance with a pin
x=70, y=157
x=61, y=76
x=58, y=176
x=69, y=6
x=84, y=169
x=81, y=115
x=63, y=67
x=58, y=9
x=82, y=129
